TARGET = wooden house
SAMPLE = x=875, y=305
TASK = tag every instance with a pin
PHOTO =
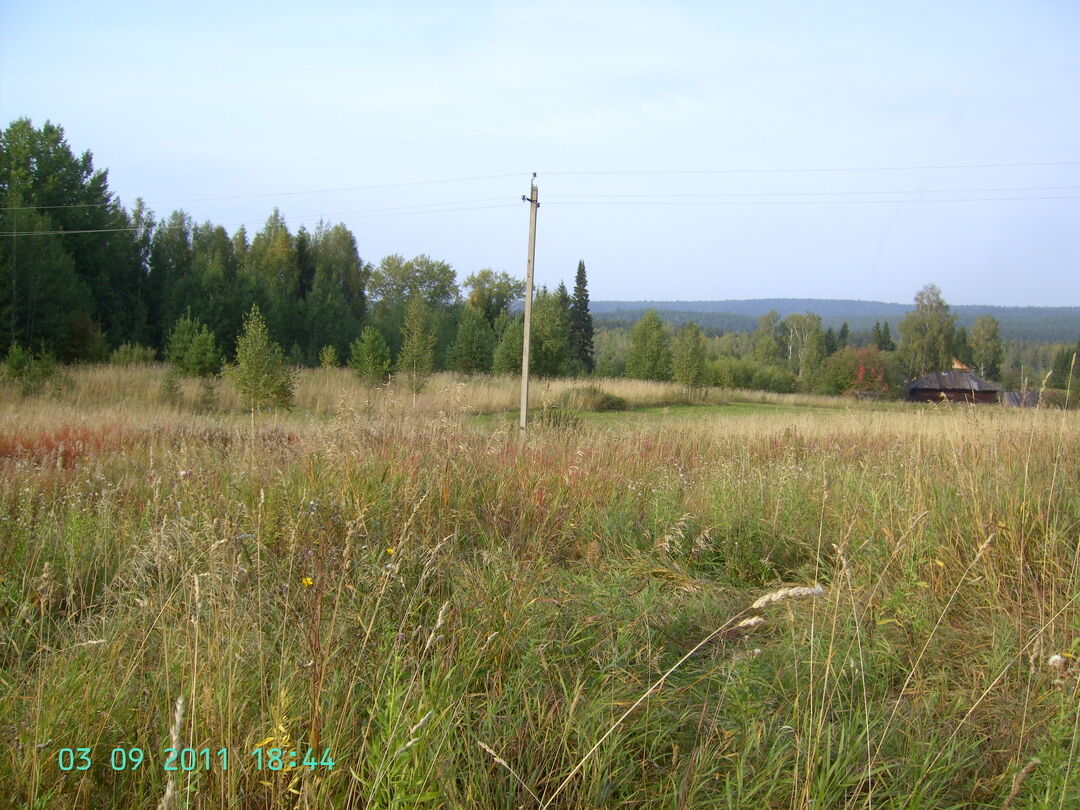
x=954, y=386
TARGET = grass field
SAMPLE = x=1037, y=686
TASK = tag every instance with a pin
x=758, y=602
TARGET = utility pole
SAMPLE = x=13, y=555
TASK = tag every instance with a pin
x=534, y=202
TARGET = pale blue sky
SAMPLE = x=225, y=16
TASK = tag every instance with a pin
x=672, y=140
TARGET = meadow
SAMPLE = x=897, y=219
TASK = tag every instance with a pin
x=377, y=600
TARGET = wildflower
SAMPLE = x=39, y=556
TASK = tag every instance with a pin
x=390, y=551
x=307, y=582
x=1056, y=661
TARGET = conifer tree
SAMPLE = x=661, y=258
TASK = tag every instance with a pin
x=192, y=348
x=475, y=343
x=370, y=356
x=581, y=324
x=887, y=344
x=509, y=349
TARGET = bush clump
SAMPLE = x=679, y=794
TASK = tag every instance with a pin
x=132, y=354
x=591, y=398
x=260, y=375
x=30, y=372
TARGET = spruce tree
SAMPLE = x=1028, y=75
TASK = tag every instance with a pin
x=509, y=349
x=831, y=342
x=887, y=344
x=370, y=356
x=581, y=324
x=475, y=343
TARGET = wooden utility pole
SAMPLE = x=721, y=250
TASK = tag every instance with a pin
x=534, y=202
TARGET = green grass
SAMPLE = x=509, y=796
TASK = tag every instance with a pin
x=650, y=414
x=469, y=618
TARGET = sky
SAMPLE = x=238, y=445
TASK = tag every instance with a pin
x=682, y=150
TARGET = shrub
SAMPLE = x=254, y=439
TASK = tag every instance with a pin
x=192, y=348
x=31, y=372
x=370, y=356
x=328, y=357
x=132, y=354
x=260, y=375
x=17, y=362
x=591, y=398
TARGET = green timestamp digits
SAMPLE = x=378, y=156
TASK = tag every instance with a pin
x=130, y=759
x=276, y=759
x=196, y=759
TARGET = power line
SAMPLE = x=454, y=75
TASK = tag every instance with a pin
x=663, y=203
x=821, y=170
x=1000, y=190
x=269, y=194
x=817, y=202
x=414, y=208
x=581, y=173
x=340, y=189
x=65, y=233
x=362, y=215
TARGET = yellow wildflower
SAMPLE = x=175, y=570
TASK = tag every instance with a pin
x=390, y=551
x=307, y=582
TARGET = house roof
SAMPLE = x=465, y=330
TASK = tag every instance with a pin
x=953, y=381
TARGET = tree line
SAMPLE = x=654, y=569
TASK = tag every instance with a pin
x=84, y=278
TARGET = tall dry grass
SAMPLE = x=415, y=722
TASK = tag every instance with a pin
x=465, y=617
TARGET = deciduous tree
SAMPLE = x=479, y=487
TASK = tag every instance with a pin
x=927, y=334
x=260, y=374
x=549, y=343
x=688, y=358
x=986, y=348
x=649, y=356
x=492, y=293
x=416, y=361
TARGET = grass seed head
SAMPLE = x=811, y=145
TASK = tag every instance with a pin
x=797, y=592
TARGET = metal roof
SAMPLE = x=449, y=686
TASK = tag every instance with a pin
x=953, y=381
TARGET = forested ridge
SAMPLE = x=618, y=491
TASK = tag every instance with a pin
x=1047, y=324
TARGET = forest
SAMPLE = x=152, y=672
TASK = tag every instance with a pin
x=83, y=279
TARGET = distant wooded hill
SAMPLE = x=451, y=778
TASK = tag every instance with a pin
x=1049, y=324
